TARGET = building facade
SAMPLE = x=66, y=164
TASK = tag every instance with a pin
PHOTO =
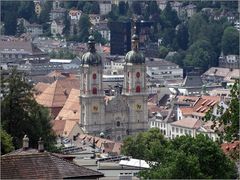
x=122, y=115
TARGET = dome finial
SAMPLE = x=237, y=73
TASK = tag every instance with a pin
x=91, y=41
x=135, y=38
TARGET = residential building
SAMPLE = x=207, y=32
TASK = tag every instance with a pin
x=105, y=6
x=27, y=163
x=201, y=106
x=191, y=10
x=229, y=61
x=219, y=74
x=103, y=29
x=113, y=65
x=94, y=18
x=162, y=4
x=13, y=50
x=57, y=27
x=75, y=14
x=186, y=126
x=34, y=29
x=57, y=12
x=162, y=70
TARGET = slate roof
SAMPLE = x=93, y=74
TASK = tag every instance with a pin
x=192, y=81
x=42, y=166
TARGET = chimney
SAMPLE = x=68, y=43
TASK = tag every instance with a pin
x=25, y=142
x=40, y=145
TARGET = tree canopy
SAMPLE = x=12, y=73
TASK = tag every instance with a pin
x=21, y=114
x=184, y=157
x=230, y=41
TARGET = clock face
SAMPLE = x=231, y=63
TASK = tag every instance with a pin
x=95, y=108
x=138, y=107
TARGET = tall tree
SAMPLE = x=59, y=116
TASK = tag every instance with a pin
x=122, y=8
x=20, y=28
x=230, y=41
x=6, y=142
x=10, y=23
x=182, y=36
x=137, y=7
x=22, y=115
x=184, y=157
x=200, y=54
x=26, y=10
x=84, y=26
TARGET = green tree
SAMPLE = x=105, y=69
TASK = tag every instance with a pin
x=26, y=10
x=182, y=36
x=184, y=157
x=163, y=51
x=146, y=145
x=137, y=7
x=10, y=23
x=122, y=9
x=230, y=118
x=6, y=142
x=66, y=22
x=200, y=54
x=21, y=114
x=177, y=58
x=169, y=16
x=84, y=26
x=230, y=41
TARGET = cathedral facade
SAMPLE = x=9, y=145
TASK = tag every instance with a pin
x=121, y=115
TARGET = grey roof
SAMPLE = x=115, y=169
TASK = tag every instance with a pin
x=156, y=62
x=192, y=81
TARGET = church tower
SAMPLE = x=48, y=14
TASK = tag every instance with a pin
x=134, y=88
x=91, y=91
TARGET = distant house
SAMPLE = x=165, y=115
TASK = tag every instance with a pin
x=105, y=6
x=103, y=29
x=75, y=14
x=94, y=18
x=57, y=27
x=162, y=4
x=229, y=61
x=57, y=13
x=34, y=29
x=27, y=163
x=162, y=70
x=219, y=74
x=190, y=9
x=12, y=50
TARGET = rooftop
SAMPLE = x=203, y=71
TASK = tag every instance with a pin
x=188, y=123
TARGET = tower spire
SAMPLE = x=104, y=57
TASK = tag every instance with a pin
x=135, y=38
x=91, y=41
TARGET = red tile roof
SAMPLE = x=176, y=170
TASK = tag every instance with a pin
x=227, y=147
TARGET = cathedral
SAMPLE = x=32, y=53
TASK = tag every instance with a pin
x=121, y=115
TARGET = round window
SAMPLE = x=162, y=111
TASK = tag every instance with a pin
x=138, y=74
x=94, y=76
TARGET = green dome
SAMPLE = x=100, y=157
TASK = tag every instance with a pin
x=91, y=58
x=135, y=57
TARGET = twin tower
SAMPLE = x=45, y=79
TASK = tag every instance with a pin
x=121, y=115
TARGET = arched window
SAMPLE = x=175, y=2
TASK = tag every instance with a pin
x=138, y=89
x=118, y=123
x=94, y=90
x=94, y=76
x=138, y=74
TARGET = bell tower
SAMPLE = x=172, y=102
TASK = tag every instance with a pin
x=91, y=90
x=134, y=88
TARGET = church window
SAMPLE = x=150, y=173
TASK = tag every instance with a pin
x=138, y=74
x=94, y=76
x=118, y=123
x=94, y=90
x=138, y=89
